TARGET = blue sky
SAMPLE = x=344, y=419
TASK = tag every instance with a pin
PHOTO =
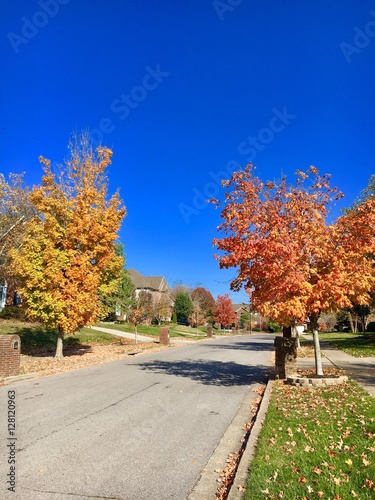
x=183, y=91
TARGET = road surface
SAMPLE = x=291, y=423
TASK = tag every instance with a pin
x=136, y=429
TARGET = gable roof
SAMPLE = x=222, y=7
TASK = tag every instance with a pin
x=238, y=307
x=156, y=283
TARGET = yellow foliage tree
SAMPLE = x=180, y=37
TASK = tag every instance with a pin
x=69, y=248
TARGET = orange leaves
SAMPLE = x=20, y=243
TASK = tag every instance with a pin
x=277, y=238
x=224, y=313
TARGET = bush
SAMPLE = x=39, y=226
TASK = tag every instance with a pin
x=273, y=327
x=12, y=312
x=371, y=327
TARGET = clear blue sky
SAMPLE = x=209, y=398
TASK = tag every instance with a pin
x=182, y=89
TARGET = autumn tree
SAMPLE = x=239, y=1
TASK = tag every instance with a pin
x=70, y=244
x=224, y=313
x=277, y=238
x=197, y=317
x=144, y=306
x=205, y=301
x=162, y=306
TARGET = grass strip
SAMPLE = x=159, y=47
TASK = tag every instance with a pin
x=354, y=344
x=37, y=339
x=315, y=443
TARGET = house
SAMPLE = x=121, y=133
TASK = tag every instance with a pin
x=157, y=286
x=240, y=309
x=256, y=319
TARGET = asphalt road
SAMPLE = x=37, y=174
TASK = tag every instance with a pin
x=137, y=429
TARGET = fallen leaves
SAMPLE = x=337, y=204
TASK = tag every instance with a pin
x=97, y=355
x=227, y=475
x=318, y=444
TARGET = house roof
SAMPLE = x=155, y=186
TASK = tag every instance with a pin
x=238, y=307
x=156, y=283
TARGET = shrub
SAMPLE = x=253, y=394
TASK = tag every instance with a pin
x=273, y=327
x=371, y=327
x=12, y=312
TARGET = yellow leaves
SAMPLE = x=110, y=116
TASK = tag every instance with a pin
x=272, y=440
x=317, y=470
x=69, y=249
x=365, y=460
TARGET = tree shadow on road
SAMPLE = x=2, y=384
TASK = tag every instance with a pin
x=211, y=372
x=249, y=346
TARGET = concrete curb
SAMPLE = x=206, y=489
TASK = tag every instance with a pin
x=16, y=378
x=237, y=491
x=207, y=484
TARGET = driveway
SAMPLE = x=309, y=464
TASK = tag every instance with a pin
x=140, y=428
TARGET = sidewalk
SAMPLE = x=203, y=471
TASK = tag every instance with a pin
x=141, y=338
x=362, y=370
x=126, y=335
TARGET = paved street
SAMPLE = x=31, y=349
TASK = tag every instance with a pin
x=139, y=428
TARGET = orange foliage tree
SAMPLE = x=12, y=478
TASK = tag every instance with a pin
x=205, y=302
x=224, y=313
x=68, y=249
x=277, y=237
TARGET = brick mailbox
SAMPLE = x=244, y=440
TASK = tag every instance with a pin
x=209, y=331
x=10, y=355
x=285, y=357
x=164, y=336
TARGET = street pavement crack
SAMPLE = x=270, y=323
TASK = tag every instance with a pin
x=90, y=415
x=101, y=497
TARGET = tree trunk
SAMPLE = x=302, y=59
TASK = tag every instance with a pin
x=351, y=322
x=318, y=359
x=59, y=347
x=296, y=334
x=314, y=328
x=363, y=324
x=287, y=332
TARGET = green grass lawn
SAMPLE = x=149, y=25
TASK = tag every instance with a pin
x=315, y=443
x=36, y=339
x=352, y=343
